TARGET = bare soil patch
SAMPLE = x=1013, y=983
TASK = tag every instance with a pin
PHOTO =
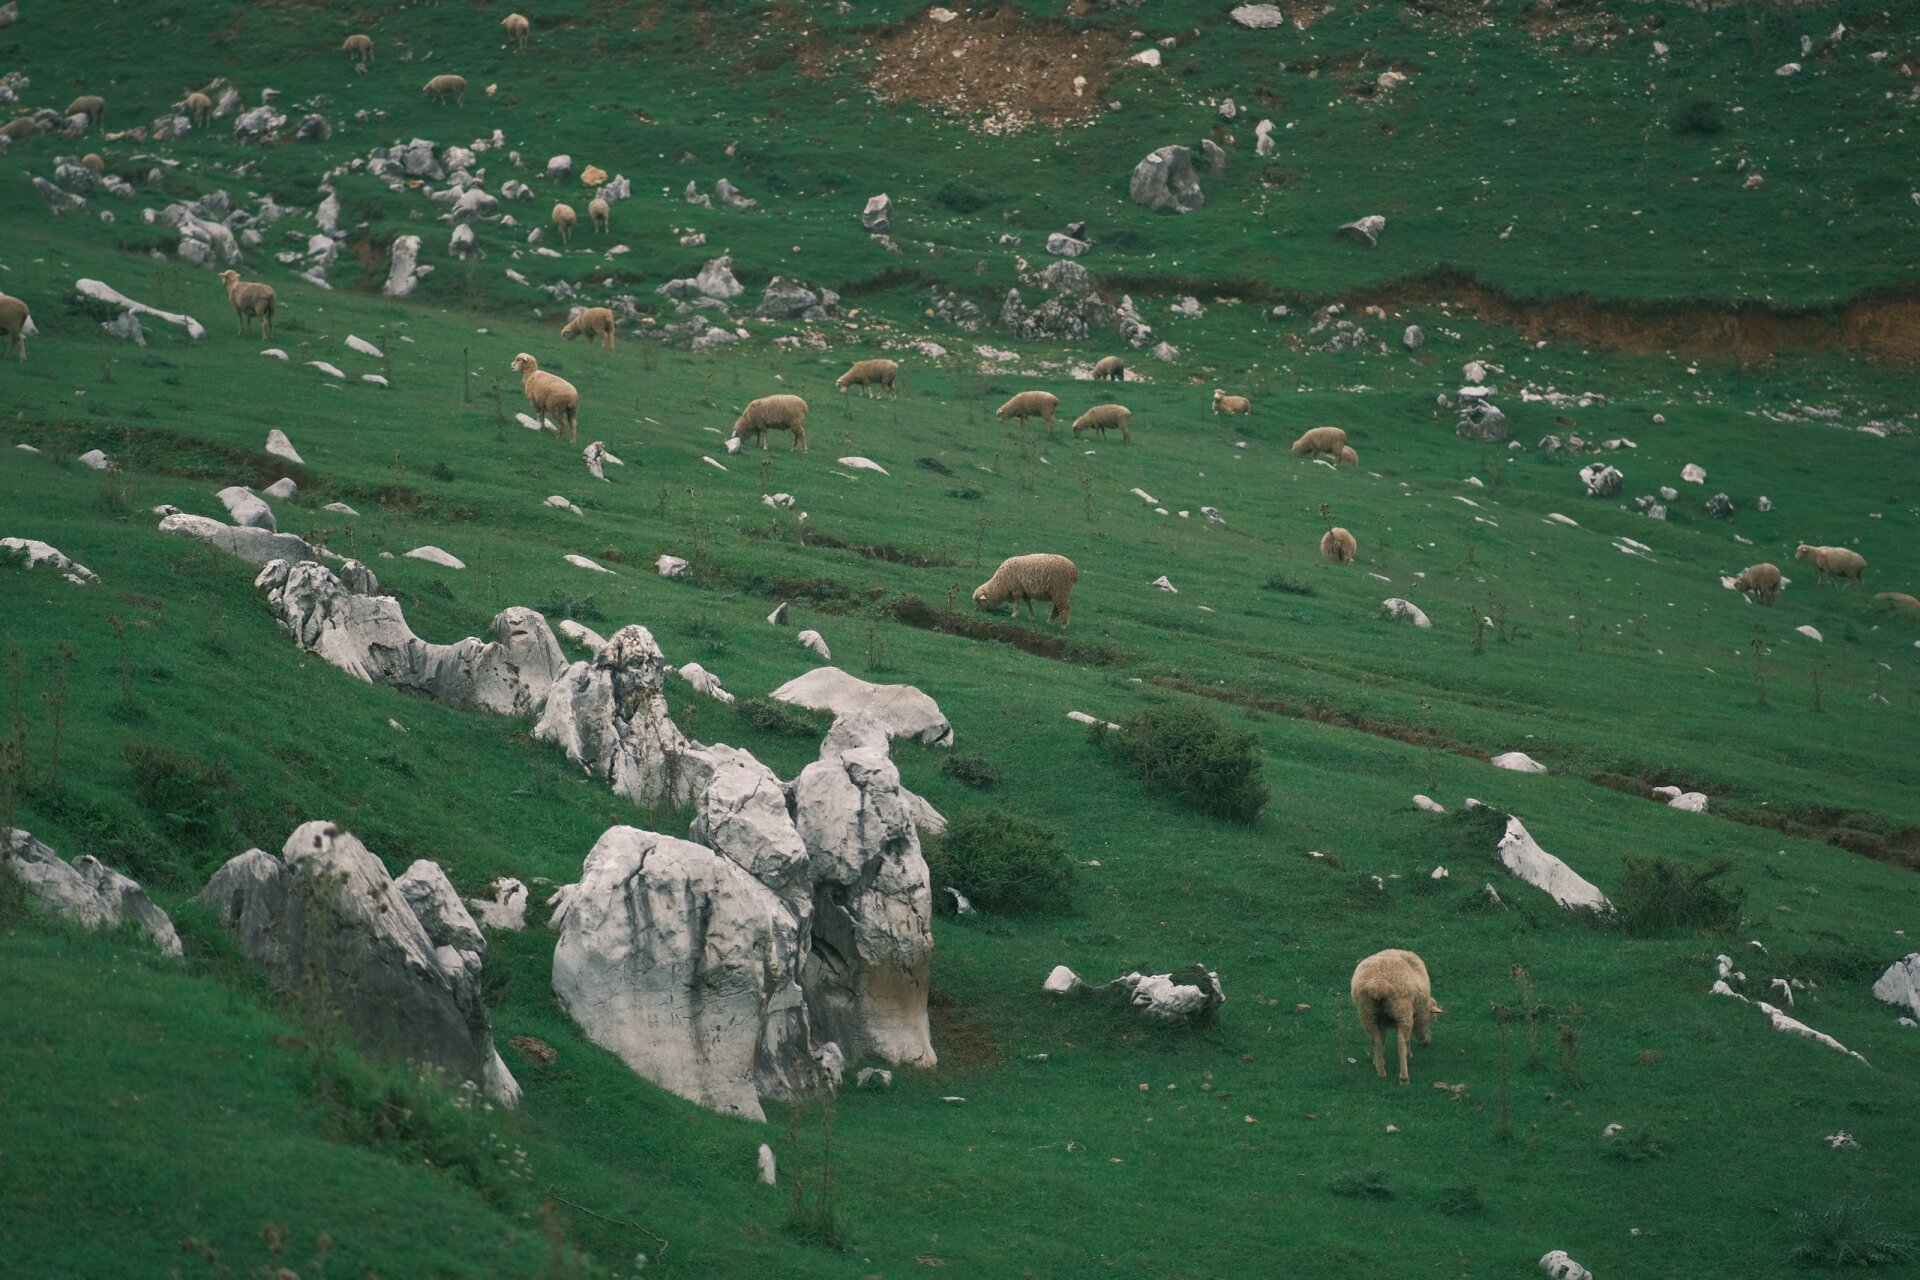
x=1015, y=72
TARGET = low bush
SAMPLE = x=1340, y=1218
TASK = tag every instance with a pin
x=1658, y=896
x=1289, y=584
x=962, y=197
x=1371, y=1185
x=1847, y=1233
x=191, y=798
x=1699, y=117
x=770, y=716
x=1001, y=861
x=971, y=768
x=1193, y=753
x=1461, y=1200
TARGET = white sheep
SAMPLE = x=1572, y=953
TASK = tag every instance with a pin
x=359, y=47
x=563, y=219
x=1892, y=599
x=1224, y=403
x=551, y=396
x=1393, y=987
x=1041, y=576
x=1030, y=404
x=771, y=413
x=1327, y=441
x=250, y=299
x=593, y=322
x=13, y=324
x=1110, y=367
x=1337, y=545
x=601, y=214
x=1101, y=417
x=1834, y=562
x=90, y=105
x=870, y=374
x=517, y=27
x=1348, y=458
x=442, y=87
x=19, y=129
x=1761, y=580
x=199, y=106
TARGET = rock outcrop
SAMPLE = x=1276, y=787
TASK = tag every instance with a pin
x=1165, y=182
x=85, y=891
x=904, y=710
x=1184, y=997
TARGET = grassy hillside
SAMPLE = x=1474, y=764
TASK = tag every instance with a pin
x=146, y=1101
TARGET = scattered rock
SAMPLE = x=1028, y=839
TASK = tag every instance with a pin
x=434, y=555
x=1260, y=17
x=1519, y=762
x=244, y=507
x=506, y=909
x=1165, y=182
x=877, y=217
x=1526, y=860
x=1899, y=986
x=1602, y=481
x=1365, y=230
x=39, y=553
x=404, y=271
x=671, y=566
x=904, y=710
x=1414, y=338
x=1720, y=505
x=85, y=891
x=815, y=642
x=1184, y=997
x=1559, y=1266
x=1407, y=611
x=281, y=447
x=255, y=546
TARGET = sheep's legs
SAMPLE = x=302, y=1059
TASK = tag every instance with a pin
x=1379, y=1039
x=1405, y=1034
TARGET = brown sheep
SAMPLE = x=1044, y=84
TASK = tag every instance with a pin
x=1224, y=403
x=1348, y=458
x=1112, y=367
x=593, y=322
x=19, y=129
x=1898, y=600
x=13, y=324
x=199, y=106
x=1761, y=580
x=90, y=105
x=1337, y=545
x=1102, y=416
x=1041, y=576
x=94, y=162
x=771, y=413
x=250, y=299
x=1393, y=987
x=517, y=27
x=1321, y=441
x=601, y=212
x=563, y=219
x=870, y=374
x=1031, y=404
x=359, y=47
x=553, y=398
x=1834, y=562
x=441, y=86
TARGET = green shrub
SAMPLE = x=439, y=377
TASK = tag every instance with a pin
x=1847, y=1233
x=1001, y=861
x=1461, y=1200
x=190, y=797
x=1371, y=1185
x=770, y=716
x=1658, y=896
x=580, y=608
x=962, y=197
x=1635, y=1145
x=1289, y=584
x=1192, y=752
x=1699, y=117
x=972, y=768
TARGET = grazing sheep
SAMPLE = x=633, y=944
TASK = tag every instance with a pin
x=440, y=86
x=1042, y=576
x=594, y=322
x=1224, y=403
x=1337, y=545
x=1893, y=599
x=1102, y=416
x=601, y=212
x=553, y=398
x=1321, y=441
x=1761, y=580
x=94, y=162
x=517, y=27
x=1031, y=404
x=771, y=413
x=19, y=129
x=1834, y=562
x=1110, y=367
x=360, y=47
x=199, y=106
x=92, y=106
x=869, y=374
x=1392, y=986
x=13, y=324
x=250, y=299
x=563, y=219
x=1348, y=458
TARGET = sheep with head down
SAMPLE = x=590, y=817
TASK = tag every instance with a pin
x=592, y=322
x=870, y=374
x=13, y=325
x=1041, y=576
x=517, y=28
x=1103, y=416
x=1391, y=988
x=444, y=87
x=1761, y=581
x=1348, y=458
x=90, y=105
x=1030, y=404
x=771, y=413
x=199, y=106
x=359, y=47
x=1321, y=442
x=1337, y=545
x=1110, y=368
x=1834, y=562
x=601, y=213
x=563, y=219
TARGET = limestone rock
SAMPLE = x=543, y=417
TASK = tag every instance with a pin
x=1559, y=1266
x=742, y=814
x=1518, y=853
x=1263, y=143
x=1414, y=338
x=39, y=553
x=1518, y=762
x=506, y=909
x=904, y=710
x=1899, y=986
x=1406, y=611
x=1365, y=230
x=1258, y=16
x=281, y=447
x=608, y=714
x=246, y=508
x=1185, y=997
x=404, y=271
x=1602, y=481
x=85, y=891
x=877, y=217
x=100, y=292
x=1165, y=181
x=255, y=546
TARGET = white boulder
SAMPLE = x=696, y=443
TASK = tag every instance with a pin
x=85, y=891
x=1525, y=859
x=1899, y=986
x=904, y=710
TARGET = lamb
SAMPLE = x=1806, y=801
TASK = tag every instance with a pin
x=1031, y=404
x=199, y=106
x=1102, y=416
x=1393, y=986
x=1041, y=576
x=92, y=106
x=771, y=413
x=563, y=219
x=1762, y=580
x=1834, y=562
x=869, y=374
x=517, y=27
x=360, y=47
x=1110, y=367
x=1321, y=440
x=1893, y=599
x=13, y=324
x=250, y=299
x=1224, y=403
x=1348, y=458
x=601, y=212
x=1337, y=545
x=440, y=86
x=551, y=396
x=594, y=322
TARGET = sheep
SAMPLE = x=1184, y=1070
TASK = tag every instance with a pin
x=553, y=398
x=1321, y=440
x=19, y=129
x=94, y=162
x=92, y=106
x=1834, y=562
x=13, y=324
x=1224, y=403
x=1102, y=416
x=360, y=47
x=601, y=212
x=1337, y=545
x=1041, y=576
x=440, y=86
x=1393, y=986
x=1893, y=599
x=1348, y=458
x=563, y=219
x=517, y=27
x=771, y=413
x=1111, y=367
x=1762, y=579
x=199, y=106
x=1031, y=404
x=250, y=299
x=869, y=374
x=594, y=322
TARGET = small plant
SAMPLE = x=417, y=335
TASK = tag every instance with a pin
x=1572, y=1035
x=1291, y=585
x=1462, y=1200
x=1371, y=1185
x=1192, y=752
x=810, y=1214
x=191, y=797
x=970, y=767
x=1636, y=1144
x=1847, y=1233
x=1657, y=896
x=579, y=608
x=769, y=716
x=962, y=197
x=1503, y=1126
x=1002, y=862
x=1698, y=117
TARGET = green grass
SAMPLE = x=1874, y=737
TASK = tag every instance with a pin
x=190, y=727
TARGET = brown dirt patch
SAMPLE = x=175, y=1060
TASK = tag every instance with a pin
x=962, y=1038
x=1049, y=643
x=1015, y=72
